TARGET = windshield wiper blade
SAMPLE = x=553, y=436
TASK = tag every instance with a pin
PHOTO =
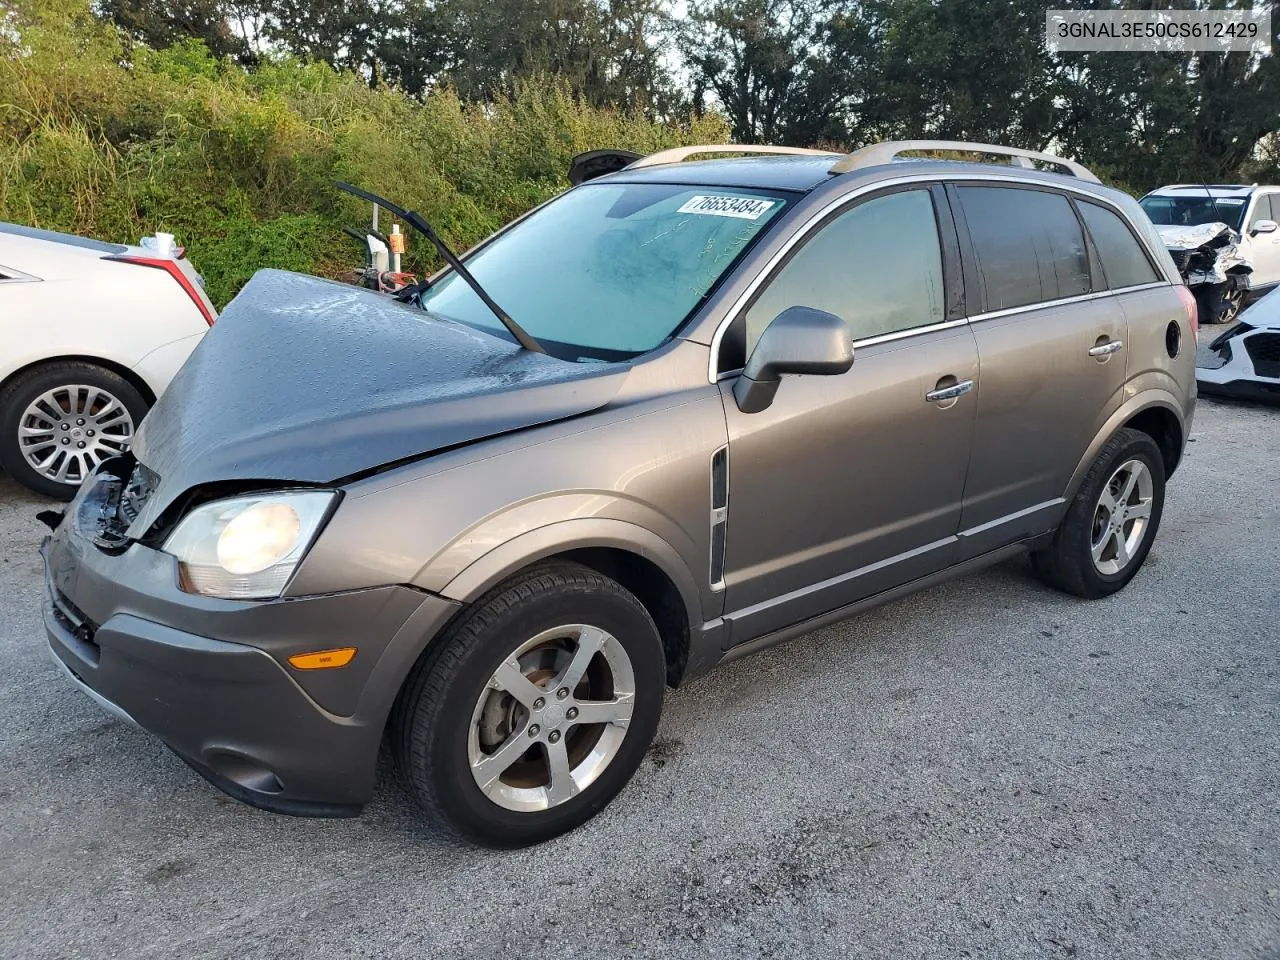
x=419, y=223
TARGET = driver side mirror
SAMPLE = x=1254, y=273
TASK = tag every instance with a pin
x=800, y=340
x=1264, y=226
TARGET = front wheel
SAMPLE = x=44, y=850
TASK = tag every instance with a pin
x=1110, y=525
x=534, y=710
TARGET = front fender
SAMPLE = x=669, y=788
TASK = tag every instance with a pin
x=514, y=554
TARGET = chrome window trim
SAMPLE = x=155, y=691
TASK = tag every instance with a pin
x=853, y=195
x=1064, y=301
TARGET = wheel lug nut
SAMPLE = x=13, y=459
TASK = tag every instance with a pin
x=562, y=693
x=80, y=422
x=89, y=432
x=554, y=736
x=66, y=426
x=66, y=439
x=534, y=730
x=80, y=444
x=572, y=713
x=539, y=704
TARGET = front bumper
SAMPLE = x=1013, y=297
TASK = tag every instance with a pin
x=211, y=677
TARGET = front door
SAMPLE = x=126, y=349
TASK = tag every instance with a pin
x=848, y=485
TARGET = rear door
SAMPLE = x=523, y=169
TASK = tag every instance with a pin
x=1050, y=349
x=847, y=485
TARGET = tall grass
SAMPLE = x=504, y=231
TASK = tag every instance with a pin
x=116, y=141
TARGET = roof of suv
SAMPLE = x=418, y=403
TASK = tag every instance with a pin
x=766, y=172
x=804, y=173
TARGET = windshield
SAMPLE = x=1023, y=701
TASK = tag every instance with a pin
x=609, y=271
x=1192, y=211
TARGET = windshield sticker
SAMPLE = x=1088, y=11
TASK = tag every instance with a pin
x=742, y=208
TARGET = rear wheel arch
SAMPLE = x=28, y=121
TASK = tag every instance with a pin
x=1163, y=426
x=1154, y=412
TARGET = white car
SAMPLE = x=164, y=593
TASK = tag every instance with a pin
x=1251, y=211
x=93, y=333
x=1244, y=361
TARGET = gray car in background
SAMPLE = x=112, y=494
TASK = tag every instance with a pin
x=758, y=394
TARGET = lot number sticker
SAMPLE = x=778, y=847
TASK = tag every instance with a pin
x=743, y=208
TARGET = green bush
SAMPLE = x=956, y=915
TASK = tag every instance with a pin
x=115, y=141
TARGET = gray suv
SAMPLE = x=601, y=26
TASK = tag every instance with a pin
x=351, y=519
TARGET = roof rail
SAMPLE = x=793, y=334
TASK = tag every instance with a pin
x=878, y=153
x=676, y=154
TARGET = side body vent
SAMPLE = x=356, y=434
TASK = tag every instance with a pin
x=719, y=514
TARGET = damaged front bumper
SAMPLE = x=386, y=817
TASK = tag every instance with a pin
x=211, y=677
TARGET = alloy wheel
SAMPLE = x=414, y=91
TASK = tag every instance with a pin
x=1122, y=517
x=1231, y=306
x=66, y=432
x=551, y=718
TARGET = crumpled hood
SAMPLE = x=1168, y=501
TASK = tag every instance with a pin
x=1178, y=237
x=308, y=380
x=1205, y=252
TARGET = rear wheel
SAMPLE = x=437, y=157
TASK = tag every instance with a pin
x=534, y=710
x=60, y=420
x=1109, y=527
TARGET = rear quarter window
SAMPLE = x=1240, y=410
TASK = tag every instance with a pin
x=1028, y=244
x=1124, y=262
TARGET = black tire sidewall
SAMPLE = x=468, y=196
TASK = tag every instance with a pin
x=466, y=807
x=1132, y=446
x=17, y=397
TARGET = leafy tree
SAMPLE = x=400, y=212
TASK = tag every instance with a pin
x=161, y=23
x=763, y=62
x=606, y=50
x=1151, y=118
x=960, y=70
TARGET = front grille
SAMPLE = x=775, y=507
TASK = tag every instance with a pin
x=1264, y=351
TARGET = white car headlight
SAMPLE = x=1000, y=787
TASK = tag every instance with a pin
x=246, y=548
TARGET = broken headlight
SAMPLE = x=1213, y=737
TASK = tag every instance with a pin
x=246, y=548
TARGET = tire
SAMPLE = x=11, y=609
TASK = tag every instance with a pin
x=450, y=717
x=1218, y=303
x=69, y=388
x=1071, y=562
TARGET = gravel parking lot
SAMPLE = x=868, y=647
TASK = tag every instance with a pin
x=986, y=769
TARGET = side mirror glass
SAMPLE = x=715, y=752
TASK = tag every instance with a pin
x=800, y=340
x=1264, y=226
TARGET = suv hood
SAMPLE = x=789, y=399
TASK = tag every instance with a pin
x=309, y=380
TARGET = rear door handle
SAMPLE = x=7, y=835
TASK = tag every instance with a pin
x=958, y=389
x=1106, y=349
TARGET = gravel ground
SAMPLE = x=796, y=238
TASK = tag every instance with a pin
x=985, y=769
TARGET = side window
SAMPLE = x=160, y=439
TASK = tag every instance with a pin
x=877, y=266
x=1123, y=260
x=1028, y=244
x=1267, y=208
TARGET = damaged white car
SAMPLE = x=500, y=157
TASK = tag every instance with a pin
x=1224, y=240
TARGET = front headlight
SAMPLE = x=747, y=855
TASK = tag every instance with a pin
x=246, y=548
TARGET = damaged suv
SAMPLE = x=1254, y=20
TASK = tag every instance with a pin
x=494, y=538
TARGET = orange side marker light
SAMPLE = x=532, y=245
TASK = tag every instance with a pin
x=323, y=659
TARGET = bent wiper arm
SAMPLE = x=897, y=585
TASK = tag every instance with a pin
x=419, y=223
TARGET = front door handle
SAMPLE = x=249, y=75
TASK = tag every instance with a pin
x=957, y=389
x=1106, y=349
